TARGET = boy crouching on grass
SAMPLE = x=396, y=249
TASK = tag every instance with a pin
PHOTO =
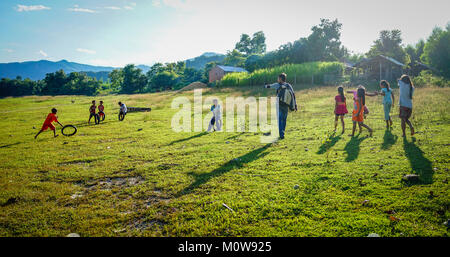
x=51, y=117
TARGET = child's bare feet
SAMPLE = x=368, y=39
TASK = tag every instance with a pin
x=56, y=135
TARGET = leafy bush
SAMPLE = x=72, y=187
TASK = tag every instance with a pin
x=426, y=79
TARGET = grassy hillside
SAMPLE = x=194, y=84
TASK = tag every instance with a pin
x=138, y=177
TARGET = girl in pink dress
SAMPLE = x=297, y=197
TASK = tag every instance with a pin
x=340, y=108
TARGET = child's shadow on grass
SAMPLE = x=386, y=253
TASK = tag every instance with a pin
x=236, y=163
x=188, y=138
x=353, y=148
x=389, y=139
x=419, y=163
x=330, y=142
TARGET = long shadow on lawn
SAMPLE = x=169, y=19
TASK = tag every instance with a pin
x=353, y=148
x=419, y=163
x=389, y=139
x=203, y=178
x=330, y=142
x=188, y=138
x=8, y=145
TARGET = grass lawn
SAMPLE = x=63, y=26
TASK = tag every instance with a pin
x=140, y=178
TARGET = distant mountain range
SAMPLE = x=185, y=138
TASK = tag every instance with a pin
x=200, y=61
x=36, y=70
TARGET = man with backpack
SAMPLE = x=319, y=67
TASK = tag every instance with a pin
x=286, y=96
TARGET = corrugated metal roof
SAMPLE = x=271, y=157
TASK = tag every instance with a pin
x=231, y=69
x=366, y=60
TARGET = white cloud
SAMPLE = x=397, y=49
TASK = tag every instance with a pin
x=8, y=50
x=87, y=51
x=156, y=3
x=27, y=8
x=113, y=8
x=130, y=6
x=43, y=53
x=76, y=8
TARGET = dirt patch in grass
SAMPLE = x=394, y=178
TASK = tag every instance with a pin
x=111, y=182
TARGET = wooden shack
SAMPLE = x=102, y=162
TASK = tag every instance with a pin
x=379, y=68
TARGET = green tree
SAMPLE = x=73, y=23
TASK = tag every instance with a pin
x=164, y=80
x=252, y=45
x=234, y=58
x=436, y=51
x=389, y=44
x=54, y=83
x=134, y=81
x=414, y=52
x=116, y=79
x=324, y=43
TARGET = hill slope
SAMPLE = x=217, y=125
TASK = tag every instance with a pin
x=36, y=70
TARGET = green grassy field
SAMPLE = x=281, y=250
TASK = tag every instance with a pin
x=140, y=178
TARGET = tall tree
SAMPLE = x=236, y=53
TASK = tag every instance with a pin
x=134, y=81
x=436, y=51
x=414, y=52
x=389, y=44
x=252, y=45
x=324, y=43
x=234, y=58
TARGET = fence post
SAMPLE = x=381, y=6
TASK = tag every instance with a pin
x=295, y=79
x=312, y=79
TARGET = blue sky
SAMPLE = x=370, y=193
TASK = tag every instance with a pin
x=118, y=32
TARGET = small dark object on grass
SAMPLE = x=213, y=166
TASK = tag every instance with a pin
x=411, y=178
x=390, y=212
x=374, y=175
x=445, y=181
x=381, y=166
x=10, y=201
x=432, y=194
x=361, y=182
x=365, y=202
x=139, y=129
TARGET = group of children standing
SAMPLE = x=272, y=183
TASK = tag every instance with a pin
x=360, y=109
x=92, y=111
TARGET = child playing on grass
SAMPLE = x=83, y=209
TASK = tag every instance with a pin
x=217, y=117
x=123, y=110
x=340, y=108
x=358, y=111
x=92, y=110
x=355, y=98
x=100, y=109
x=405, y=101
x=51, y=117
x=388, y=99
